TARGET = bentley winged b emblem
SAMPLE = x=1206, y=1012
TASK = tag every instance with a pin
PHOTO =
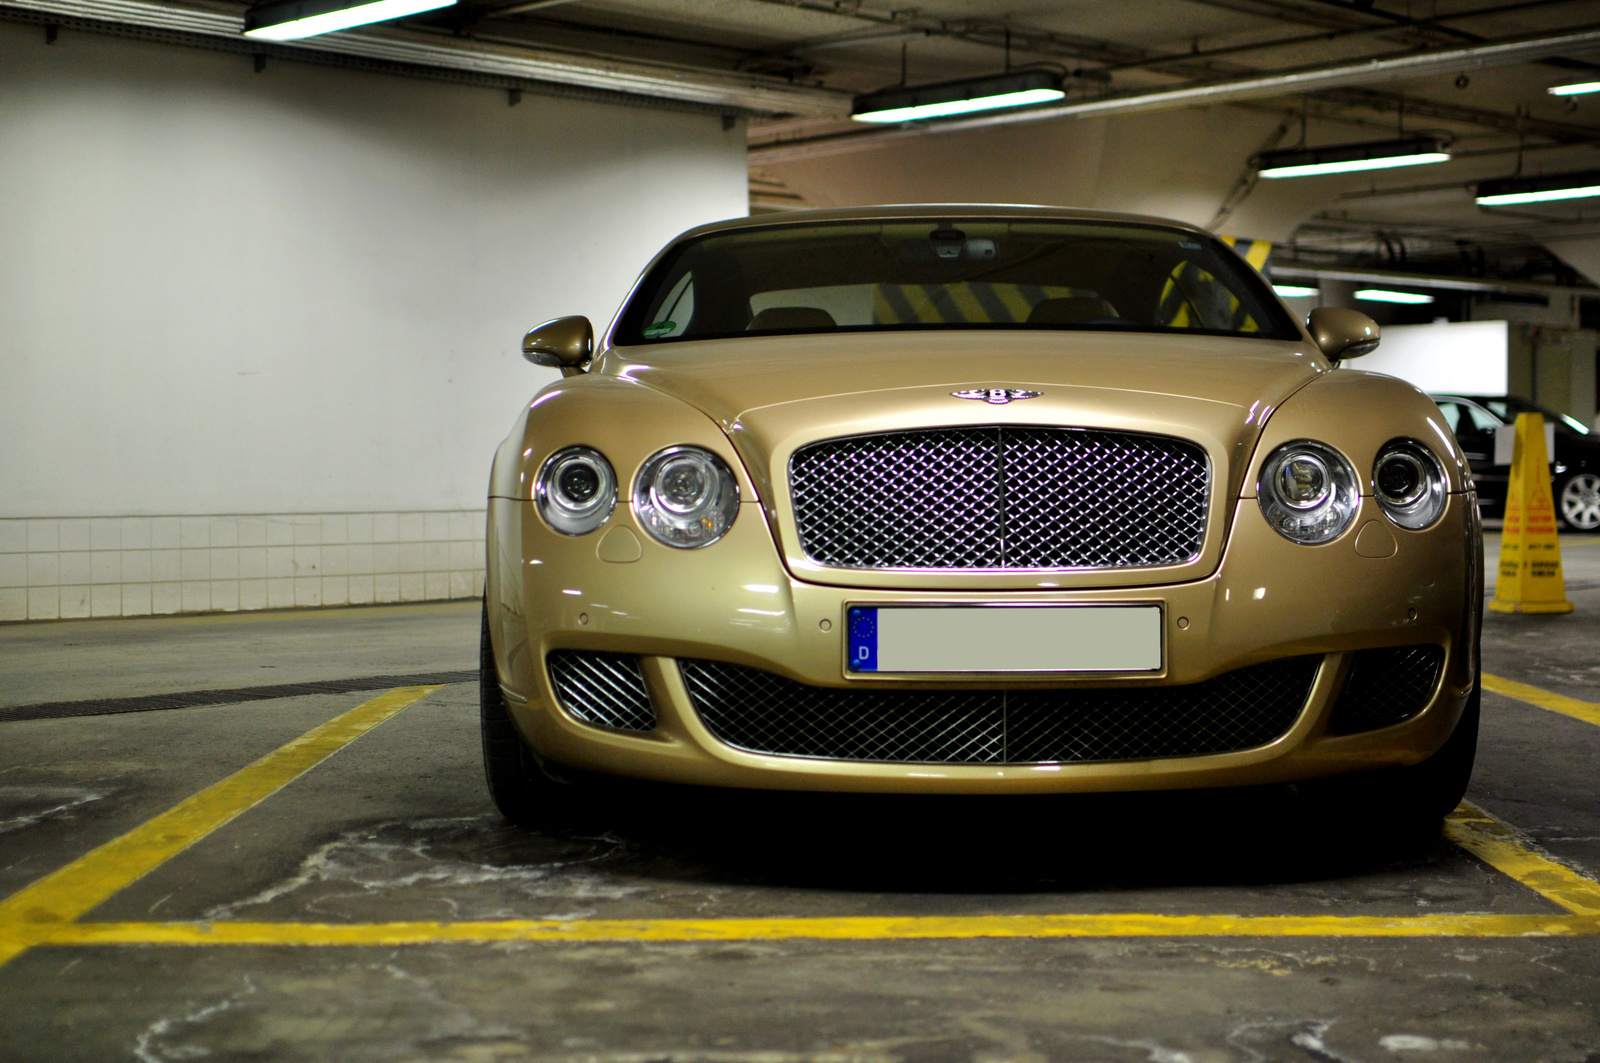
x=996, y=396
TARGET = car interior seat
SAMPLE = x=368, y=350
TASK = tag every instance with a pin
x=790, y=317
x=1071, y=310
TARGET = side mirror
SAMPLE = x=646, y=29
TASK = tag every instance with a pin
x=1343, y=333
x=567, y=343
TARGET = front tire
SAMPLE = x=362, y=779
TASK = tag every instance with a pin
x=520, y=789
x=1578, y=502
x=1407, y=802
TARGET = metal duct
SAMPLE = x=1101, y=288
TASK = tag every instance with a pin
x=394, y=45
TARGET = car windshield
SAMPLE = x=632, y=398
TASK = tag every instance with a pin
x=951, y=273
x=1507, y=409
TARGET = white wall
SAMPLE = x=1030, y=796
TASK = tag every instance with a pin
x=300, y=291
x=224, y=292
x=1465, y=358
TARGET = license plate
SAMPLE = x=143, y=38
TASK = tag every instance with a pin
x=1005, y=638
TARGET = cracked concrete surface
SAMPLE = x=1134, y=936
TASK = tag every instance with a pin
x=1206, y=1001
x=454, y=865
x=398, y=827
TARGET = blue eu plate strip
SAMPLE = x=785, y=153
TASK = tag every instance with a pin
x=863, y=639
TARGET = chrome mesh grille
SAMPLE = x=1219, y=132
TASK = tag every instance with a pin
x=602, y=689
x=1000, y=497
x=766, y=713
x=1385, y=687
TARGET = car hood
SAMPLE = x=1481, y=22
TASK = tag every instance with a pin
x=731, y=377
x=774, y=394
x=906, y=378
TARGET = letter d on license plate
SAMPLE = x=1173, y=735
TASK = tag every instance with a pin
x=1005, y=638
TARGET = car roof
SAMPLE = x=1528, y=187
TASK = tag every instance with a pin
x=997, y=211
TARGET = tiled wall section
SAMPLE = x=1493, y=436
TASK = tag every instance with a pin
x=138, y=566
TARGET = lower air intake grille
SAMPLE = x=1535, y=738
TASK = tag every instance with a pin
x=602, y=689
x=765, y=713
x=1385, y=687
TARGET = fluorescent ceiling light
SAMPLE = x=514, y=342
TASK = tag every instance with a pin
x=1349, y=158
x=307, y=18
x=1506, y=191
x=1383, y=295
x=900, y=104
x=1295, y=291
x=1356, y=165
x=1576, y=89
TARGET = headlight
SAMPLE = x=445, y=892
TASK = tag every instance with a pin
x=576, y=490
x=1308, y=492
x=685, y=497
x=1409, y=484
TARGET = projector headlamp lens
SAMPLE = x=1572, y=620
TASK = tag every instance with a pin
x=1409, y=482
x=1304, y=481
x=685, y=497
x=576, y=490
x=1308, y=492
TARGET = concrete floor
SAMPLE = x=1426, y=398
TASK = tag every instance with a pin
x=396, y=829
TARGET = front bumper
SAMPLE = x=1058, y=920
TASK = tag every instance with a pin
x=735, y=602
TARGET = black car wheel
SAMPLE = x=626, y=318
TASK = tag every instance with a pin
x=1578, y=500
x=521, y=789
x=1403, y=804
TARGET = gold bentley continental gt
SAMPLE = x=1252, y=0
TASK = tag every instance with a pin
x=976, y=500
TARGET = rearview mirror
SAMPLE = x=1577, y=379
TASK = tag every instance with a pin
x=567, y=343
x=1343, y=333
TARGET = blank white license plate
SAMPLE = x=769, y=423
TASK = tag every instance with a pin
x=1069, y=638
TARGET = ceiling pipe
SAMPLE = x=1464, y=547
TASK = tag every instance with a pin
x=1255, y=86
x=396, y=45
x=526, y=8
x=1287, y=271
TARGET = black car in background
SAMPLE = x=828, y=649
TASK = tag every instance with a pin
x=1575, y=467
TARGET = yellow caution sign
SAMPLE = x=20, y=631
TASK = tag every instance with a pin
x=1530, y=579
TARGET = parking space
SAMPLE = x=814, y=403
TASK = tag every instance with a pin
x=321, y=875
x=938, y=405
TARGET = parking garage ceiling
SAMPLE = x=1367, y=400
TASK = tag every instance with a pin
x=1315, y=71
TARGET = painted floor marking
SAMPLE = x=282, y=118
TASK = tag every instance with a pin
x=847, y=928
x=48, y=912
x=1498, y=845
x=1491, y=840
x=1587, y=711
x=62, y=897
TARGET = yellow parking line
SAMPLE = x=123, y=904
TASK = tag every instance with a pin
x=48, y=911
x=58, y=899
x=1498, y=845
x=851, y=928
x=1587, y=711
x=1470, y=827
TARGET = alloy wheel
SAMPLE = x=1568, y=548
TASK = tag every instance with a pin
x=1580, y=502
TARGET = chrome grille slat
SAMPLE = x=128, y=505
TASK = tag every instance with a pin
x=766, y=713
x=1000, y=497
x=602, y=689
